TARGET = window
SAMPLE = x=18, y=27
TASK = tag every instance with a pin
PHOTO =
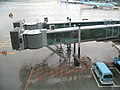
x=100, y=73
x=107, y=76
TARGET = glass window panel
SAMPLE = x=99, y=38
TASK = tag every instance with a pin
x=115, y=31
x=109, y=32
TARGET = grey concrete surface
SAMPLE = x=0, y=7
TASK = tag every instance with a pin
x=11, y=64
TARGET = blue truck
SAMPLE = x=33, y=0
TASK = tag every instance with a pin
x=116, y=61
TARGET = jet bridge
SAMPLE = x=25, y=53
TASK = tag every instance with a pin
x=34, y=38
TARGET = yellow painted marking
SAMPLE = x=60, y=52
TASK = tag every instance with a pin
x=10, y=52
x=6, y=46
x=4, y=43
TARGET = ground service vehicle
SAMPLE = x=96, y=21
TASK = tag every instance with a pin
x=103, y=73
x=116, y=61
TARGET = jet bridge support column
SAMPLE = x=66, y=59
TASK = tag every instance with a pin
x=77, y=58
x=61, y=52
x=69, y=52
x=79, y=40
x=74, y=48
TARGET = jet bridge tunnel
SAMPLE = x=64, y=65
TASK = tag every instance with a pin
x=35, y=38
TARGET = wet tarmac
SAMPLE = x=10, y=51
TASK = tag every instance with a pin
x=31, y=10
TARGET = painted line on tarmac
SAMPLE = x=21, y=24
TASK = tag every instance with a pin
x=28, y=81
x=113, y=83
x=116, y=86
x=100, y=85
x=6, y=46
x=11, y=53
x=4, y=43
x=117, y=70
x=112, y=68
x=95, y=77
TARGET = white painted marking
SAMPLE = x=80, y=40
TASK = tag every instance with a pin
x=116, y=86
x=112, y=68
x=117, y=70
x=4, y=43
x=103, y=86
x=113, y=83
x=95, y=78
